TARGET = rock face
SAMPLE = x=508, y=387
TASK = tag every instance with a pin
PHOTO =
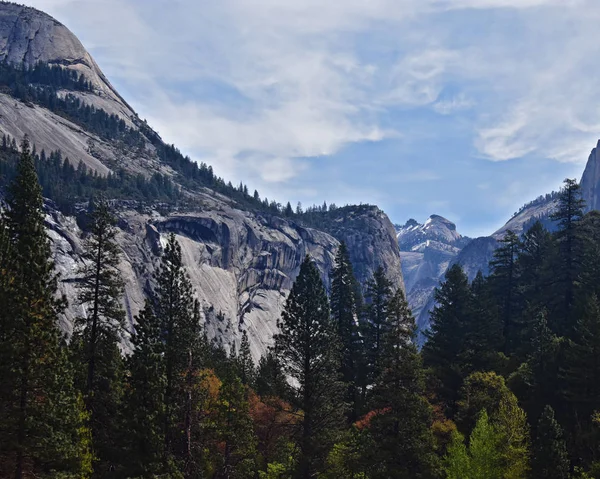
x=29, y=36
x=242, y=264
x=590, y=181
x=426, y=250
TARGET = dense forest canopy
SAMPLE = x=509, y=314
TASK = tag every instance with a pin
x=506, y=386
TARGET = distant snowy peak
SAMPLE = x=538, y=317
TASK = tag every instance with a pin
x=413, y=236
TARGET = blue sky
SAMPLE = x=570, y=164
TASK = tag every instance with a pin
x=464, y=108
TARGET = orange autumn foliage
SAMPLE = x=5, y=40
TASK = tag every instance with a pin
x=272, y=418
x=365, y=421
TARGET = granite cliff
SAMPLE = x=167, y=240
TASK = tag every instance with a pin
x=242, y=261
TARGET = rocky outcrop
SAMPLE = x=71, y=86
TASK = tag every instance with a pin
x=242, y=265
x=590, y=180
x=28, y=36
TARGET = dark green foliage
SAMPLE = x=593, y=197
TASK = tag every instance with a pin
x=246, y=370
x=444, y=351
x=308, y=349
x=145, y=405
x=569, y=260
x=484, y=335
x=42, y=423
x=504, y=281
x=401, y=425
x=550, y=459
x=270, y=378
x=96, y=336
x=168, y=348
x=66, y=184
x=378, y=294
x=345, y=315
x=235, y=431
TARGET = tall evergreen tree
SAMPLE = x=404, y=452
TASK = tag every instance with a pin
x=307, y=347
x=169, y=343
x=96, y=335
x=504, y=282
x=246, y=368
x=401, y=426
x=580, y=380
x=444, y=350
x=235, y=431
x=569, y=262
x=42, y=423
x=270, y=378
x=144, y=398
x=484, y=339
x=344, y=313
x=378, y=294
x=550, y=459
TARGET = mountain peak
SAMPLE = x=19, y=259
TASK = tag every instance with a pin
x=29, y=36
x=436, y=228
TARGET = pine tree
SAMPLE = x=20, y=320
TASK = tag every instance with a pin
x=144, y=404
x=42, y=421
x=542, y=368
x=533, y=265
x=270, y=378
x=504, y=281
x=307, y=347
x=344, y=313
x=246, y=368
x=484, y=338
x=168, y=343
x=378, y=294
x=550, y=459
x=235, y=431
x=444, y=350
x=178, y=312
x=96, y=335
x=569, y=262
x=401, y=427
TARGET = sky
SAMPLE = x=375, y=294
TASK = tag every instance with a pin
x=463, y=108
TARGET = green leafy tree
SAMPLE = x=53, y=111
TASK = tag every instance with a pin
x=484, y=450
x=307, y=347
x=43, y=427
x=550, y=458
x=482, y=459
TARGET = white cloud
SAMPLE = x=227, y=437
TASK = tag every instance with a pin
x=310, y=77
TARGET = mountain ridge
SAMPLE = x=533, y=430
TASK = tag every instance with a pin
x=242, y=252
